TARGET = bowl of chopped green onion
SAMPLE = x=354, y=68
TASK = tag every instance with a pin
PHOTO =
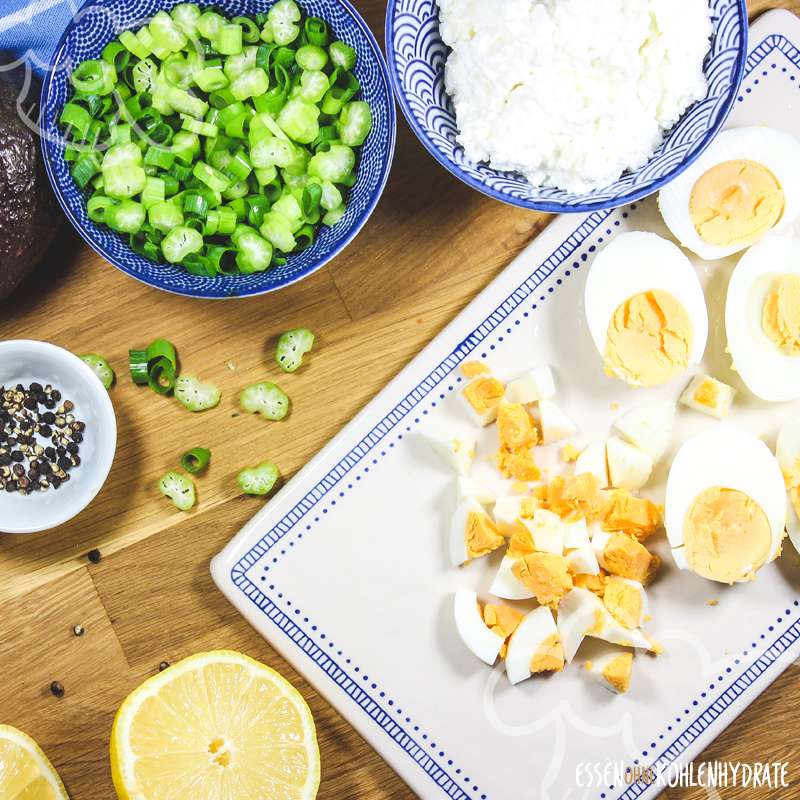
x=220, y=151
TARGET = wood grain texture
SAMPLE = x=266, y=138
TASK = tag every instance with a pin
x=430, y=247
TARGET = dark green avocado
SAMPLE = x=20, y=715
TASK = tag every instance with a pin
x=29, y=215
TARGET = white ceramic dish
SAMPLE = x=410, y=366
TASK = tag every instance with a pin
x=346, y=570
x=24, y=361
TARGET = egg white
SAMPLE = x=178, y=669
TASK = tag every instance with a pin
x=731, y=458
x=637, y=262
x=779, y=152
x=532, y=632
x=506, y=584
x=787, y=451
x=766, y=371
x=474, y=632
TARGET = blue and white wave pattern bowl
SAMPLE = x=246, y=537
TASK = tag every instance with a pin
x=100, y=22
x=417, y=55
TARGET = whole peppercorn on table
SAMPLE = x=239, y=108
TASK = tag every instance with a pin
x=94, y=607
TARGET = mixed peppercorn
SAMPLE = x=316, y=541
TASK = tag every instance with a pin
x=40, y=438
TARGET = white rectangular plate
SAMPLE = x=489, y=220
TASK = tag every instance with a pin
x=346, y=570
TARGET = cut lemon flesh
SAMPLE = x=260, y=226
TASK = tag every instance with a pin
x=25, y=772
x=215, y=726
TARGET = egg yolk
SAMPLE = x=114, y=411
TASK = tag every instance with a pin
x=471, y=369
x=707, y=394
x=623, y=601
x=626, y=557
x=548, y=656
x=521, y=543
x=624, y=512
x=481, y=536
x=484, y=394
x=735, y=202
x=780, y=317
x=594, y=583
x=726, y=535
x=515, y=427
x=649, y=339
x=545, y=574
x=573, y=495
x=618, y=672
x=518, y=464
x=503, y=621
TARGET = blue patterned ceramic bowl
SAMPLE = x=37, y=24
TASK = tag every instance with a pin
x=417, y=55
x=99, y=22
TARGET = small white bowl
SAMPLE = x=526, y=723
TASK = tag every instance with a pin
x=23, y=361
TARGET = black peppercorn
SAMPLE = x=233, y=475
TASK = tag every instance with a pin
x=95, y=556
x=57, y=689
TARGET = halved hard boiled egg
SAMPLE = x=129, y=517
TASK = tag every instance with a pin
x=787, y=451
x=534, y=646
x=746, y=184
x=725, y=505
x=645, y=309
x=762, y=318
x=472, y=532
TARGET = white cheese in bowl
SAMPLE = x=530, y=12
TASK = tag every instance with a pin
x=571, y=93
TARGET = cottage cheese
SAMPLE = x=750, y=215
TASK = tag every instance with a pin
x=571, y=93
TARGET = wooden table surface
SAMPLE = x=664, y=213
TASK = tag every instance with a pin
x=430, y=247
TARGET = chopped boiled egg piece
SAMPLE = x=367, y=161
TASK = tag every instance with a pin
x=457, y=452
x=484, y=642
x=502, y=620
x=535, y=385
x=545, y=574
x=472, y=532
x=469, y=487
x=709, y=396
x=506, y=584
x=515, y=427
x=625, y=600
x=623, y=555
x=628, y=466
x=648, y=427
x=636, y=516
x=592, y=461
x=576, y=615
x=534, y=647
x=555, y=424
x=612, y=670
x=569, y=453
x=595, y=583
x=472, y=369
x=518, y=464
x=483, y=396
x=581, y=605
x=547, y=531
x=576, y=534
x=573, y=495
x=509, y=511
x=583, y=561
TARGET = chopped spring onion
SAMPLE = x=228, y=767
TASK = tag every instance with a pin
x=156, y=366
x=179, y=489
x=100, y=367
x=217, y=144
x=258, y=480
x=265, y=398
x=196, y=460
x=194, y=395
x=292, y=346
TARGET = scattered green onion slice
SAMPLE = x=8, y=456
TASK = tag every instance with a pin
x=194, y=395
x=196, y=459
x=100, y=367
x=178, y=488
x=161, y=375
x=258, y=480
x=265, y=398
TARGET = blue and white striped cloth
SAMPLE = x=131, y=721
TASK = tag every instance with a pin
x=30, y=29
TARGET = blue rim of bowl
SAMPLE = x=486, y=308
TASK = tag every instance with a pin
x=56, y=58
x=549, y=205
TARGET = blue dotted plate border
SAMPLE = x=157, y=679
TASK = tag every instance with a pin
x=355, y=467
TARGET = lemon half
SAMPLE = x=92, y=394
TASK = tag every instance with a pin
x=25, y=772
x=215, y=726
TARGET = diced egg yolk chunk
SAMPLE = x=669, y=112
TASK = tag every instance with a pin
x=481, y=536
x=626, y=557
x=573, y=495
x=649, y=339
x=521, y=543
x=707, y=394
x=726, y=534
x=502, y=620
x=518, y=464
x=594, y=583
x=617, y=672
x=515, y=427
x=471, y=369
x=624, y=512
x=735, y=202
x=623, y=601
x=484, y=394
x=548, y=656
x=545, y=574
x=780, y=317
x=569, y=453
